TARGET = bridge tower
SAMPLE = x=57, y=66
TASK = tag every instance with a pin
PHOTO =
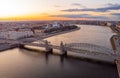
x=63, y=49
x=21, y=46
x=115, y=41
x=48, y=48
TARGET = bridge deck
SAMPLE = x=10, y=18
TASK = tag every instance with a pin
x=76, y=48
x=118, y=66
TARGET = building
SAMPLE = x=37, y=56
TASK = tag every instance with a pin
x=38, y=31
x=15, y=34
x=66, y=24
x=111, y=24
x=49, y=26
x=56, y=25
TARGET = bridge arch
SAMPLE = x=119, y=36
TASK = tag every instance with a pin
x=89, y=47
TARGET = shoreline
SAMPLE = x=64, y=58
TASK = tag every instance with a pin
x=50, y=35
x=4, y=47
x=7, y=47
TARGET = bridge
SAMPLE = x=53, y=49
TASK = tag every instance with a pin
x=82, y=48
x=115, y=41
x=91, y=49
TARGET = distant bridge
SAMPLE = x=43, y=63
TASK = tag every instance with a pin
x=83, y=48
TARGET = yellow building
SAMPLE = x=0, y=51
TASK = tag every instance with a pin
x=38, y=31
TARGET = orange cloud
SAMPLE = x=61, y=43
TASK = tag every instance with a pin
x=40, y=17
x=43, y=18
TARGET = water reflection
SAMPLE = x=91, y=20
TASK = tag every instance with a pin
x=62, y=59
x=32, y=64
x=47, y=57
x=34, y=52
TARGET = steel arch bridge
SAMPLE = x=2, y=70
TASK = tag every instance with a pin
x=91, y=49
x=80, y=48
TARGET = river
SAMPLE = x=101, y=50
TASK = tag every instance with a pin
x=21, y=63
x=98, y=35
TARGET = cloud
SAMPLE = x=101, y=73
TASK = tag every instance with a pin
x=116, y=14
x=110, y=4
x=72, y=10
x=79, y=16
x=78, y=4
x=57, y=6
x=77, y=10
x=103, y=9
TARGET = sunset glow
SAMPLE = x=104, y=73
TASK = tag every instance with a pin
x=58, y=9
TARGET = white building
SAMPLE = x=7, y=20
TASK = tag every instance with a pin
x=15, y=34
x=66, y=24
x=56, y=25
x=48, y=26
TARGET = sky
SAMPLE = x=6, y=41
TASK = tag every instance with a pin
x=59, y=9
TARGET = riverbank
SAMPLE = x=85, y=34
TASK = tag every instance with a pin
x=46, y=35
x=53, y=34
x=4, y=47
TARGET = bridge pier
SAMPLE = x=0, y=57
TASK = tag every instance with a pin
x=20, y=46
x=48, y=48
x=63, y=49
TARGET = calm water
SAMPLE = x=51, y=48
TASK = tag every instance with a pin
x=19, y=63
x=97, y=35
x=87, y=34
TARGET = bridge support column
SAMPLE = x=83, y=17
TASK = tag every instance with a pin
x=63, y=49
x=48, y=48
x=21, y=46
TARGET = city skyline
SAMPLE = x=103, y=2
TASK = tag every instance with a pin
x=59, y=10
